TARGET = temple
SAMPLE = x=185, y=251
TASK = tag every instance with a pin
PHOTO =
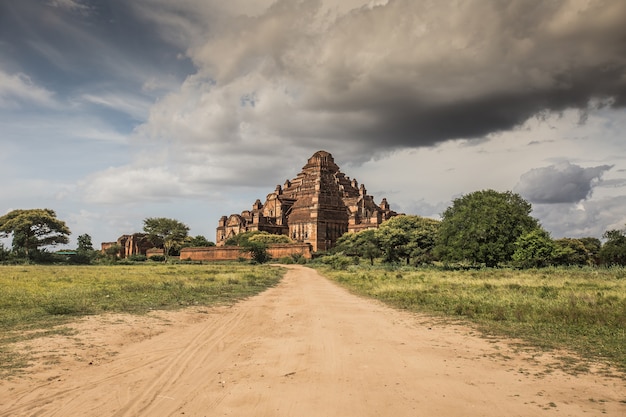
x=316, y=207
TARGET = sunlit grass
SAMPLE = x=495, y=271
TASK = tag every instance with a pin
x=580, y=309
x=36, y=297
x=35, y=294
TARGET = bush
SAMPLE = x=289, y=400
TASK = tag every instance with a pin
x=157, y=258
x=139, y=258
x=44, y=257
x=257, y=250
x=80, y=259
x=337, y=261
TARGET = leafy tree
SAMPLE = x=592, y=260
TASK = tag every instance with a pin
x=33, y=229
x=483, y=226
x=240, y=238
x=255, y=242
x=258, y=251
x=256, y=236
x=84, y=243
x=345, y=243
x=363, y=244
x=593, y=246
x=198, y=242
x=113, y=251
x=170, y=232
x=269, y=238
x=84, y=252
x=408, y=237
x=534, y=249
x=568, y=251
x=613, y=251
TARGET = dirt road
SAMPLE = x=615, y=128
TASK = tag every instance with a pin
x=305, y=348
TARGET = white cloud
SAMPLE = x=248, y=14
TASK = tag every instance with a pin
x=18, y=90
x=135, y=106
x=125, y=184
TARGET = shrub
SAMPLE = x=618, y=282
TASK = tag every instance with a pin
x=138, y=258
x=337, y=261
x=157, y=258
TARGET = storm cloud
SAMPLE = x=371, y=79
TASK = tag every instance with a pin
x=250, y=76
x=561, y=183
x=401, y=73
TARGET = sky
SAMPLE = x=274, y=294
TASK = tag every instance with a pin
x=113, y=111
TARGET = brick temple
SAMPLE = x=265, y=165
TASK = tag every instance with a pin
x=316, y=207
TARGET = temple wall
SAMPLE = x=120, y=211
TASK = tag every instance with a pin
x=233, y=253
x=155, y=251
x=277, y=251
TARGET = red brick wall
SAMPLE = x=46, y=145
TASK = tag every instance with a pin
x=155, y=251
x=232, y=253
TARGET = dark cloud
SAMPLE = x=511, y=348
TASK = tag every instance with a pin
x=562, y=183
x=398, y=75
x=501, y=64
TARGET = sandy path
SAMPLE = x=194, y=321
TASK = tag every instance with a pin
x=309, y=348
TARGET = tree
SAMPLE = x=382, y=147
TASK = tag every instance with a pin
x=84, y=243
x=408, y=237
x=534, y=249
x=482, y=227
x=363, y=244
x=255, y=242
x=593, y=246
x=33, y=229
x=198, y=242
x=613, y=251
x=241, y=239
x=257, y=250
x=568, y=251
x=84, y=252
x=171, y=233
x=269, y=238
x=113, y=251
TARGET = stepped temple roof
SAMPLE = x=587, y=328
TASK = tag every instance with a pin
x=317, y=206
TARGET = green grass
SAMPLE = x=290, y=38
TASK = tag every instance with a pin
x=36, y=300
x=583, y=310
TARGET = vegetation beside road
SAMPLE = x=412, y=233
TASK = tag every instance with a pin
x=579, y=309
x=36, y=298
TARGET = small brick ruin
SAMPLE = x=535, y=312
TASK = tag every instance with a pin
x=134, y=244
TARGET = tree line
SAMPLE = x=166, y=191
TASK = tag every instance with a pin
x=34, y=230
x=483, y=228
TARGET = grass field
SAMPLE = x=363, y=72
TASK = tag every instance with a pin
x=583, y=310
x=36, y=300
